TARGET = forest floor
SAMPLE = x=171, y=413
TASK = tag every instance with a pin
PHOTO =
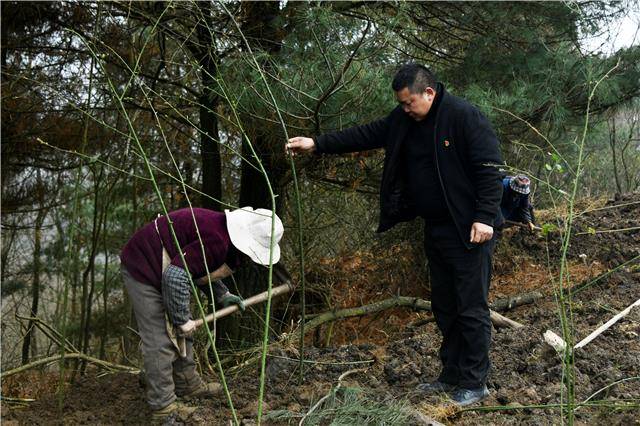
x=388, y=354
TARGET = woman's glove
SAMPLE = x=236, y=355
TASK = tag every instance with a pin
x=232, y=299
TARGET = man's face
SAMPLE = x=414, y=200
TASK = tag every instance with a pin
x=416, y=105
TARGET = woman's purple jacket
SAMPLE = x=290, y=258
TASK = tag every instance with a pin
x=142, y=255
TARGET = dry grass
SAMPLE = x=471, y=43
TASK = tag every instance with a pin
x=530, y=276
x=31, y=384
x=442, y=412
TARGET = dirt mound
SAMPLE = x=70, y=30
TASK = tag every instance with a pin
x=608, y=233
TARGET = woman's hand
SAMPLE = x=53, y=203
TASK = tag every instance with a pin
x=187, y=328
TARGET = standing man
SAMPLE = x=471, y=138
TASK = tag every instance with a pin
x=440, y=158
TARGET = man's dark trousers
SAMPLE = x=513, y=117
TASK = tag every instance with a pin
x=459, y=289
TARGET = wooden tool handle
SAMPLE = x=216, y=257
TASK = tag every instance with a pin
x=253, y=300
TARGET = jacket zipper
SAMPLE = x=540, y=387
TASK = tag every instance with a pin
x=435, y=155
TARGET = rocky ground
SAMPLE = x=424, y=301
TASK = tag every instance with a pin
x=385, y=356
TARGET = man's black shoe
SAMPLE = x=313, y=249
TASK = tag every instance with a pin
x=435, y=387
x=464, y=397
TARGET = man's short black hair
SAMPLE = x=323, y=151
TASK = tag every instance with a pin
x=415, y=77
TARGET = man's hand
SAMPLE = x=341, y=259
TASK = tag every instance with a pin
x=300, y=144
x=187, y=328
x=531, y=226
x=232, y=299
x=481, y=232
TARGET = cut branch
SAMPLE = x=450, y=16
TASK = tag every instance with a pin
x=606, y=325
x=512, y=302
x=52, y=359
x=414, y=303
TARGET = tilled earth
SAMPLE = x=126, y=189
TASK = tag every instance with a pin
x=526, y=374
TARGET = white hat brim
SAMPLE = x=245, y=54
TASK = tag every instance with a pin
x=243, y=241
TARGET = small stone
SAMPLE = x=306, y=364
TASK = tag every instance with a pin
x=251, y=410
x=304, y=396
x=374, y=382
x=501, y=397
x=532, y=394
x=552, y=392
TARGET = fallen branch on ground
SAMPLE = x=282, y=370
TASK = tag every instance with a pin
x=51, y=359
x=499, y=305
x=559, y=344
x=501, y=321
x=414, y=303
x=606, y=325
x=512, y=302
x=606, y=231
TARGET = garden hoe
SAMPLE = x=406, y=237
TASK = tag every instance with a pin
x=179, y=341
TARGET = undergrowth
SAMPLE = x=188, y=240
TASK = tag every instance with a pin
x=347, y=406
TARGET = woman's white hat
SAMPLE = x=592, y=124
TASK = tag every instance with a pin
x=250, y=232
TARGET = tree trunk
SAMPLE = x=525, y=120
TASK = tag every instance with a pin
x=251, y=278
x=127, y=342
x=7, y=243
x=627, y=177
x=103, y=209
x=614, y=159
x=88, y=275
x=254, y=191
x=206, y=55
x=35, y=286
x=210, y=152
x=265, y=35
x=105, y=290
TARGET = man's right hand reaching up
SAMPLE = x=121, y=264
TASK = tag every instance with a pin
x=300, y=144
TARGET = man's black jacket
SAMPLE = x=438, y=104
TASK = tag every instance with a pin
x=466, y=150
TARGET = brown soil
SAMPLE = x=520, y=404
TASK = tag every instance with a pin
x=395, y=354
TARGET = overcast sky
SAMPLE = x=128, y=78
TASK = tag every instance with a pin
x=622, y=33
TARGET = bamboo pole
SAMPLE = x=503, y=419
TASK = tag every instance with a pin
x=134, y=136
x=267, y=318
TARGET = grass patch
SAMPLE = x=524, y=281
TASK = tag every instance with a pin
x=347, y=406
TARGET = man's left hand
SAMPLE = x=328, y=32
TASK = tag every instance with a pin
x=232, y=299
x=481, y=232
